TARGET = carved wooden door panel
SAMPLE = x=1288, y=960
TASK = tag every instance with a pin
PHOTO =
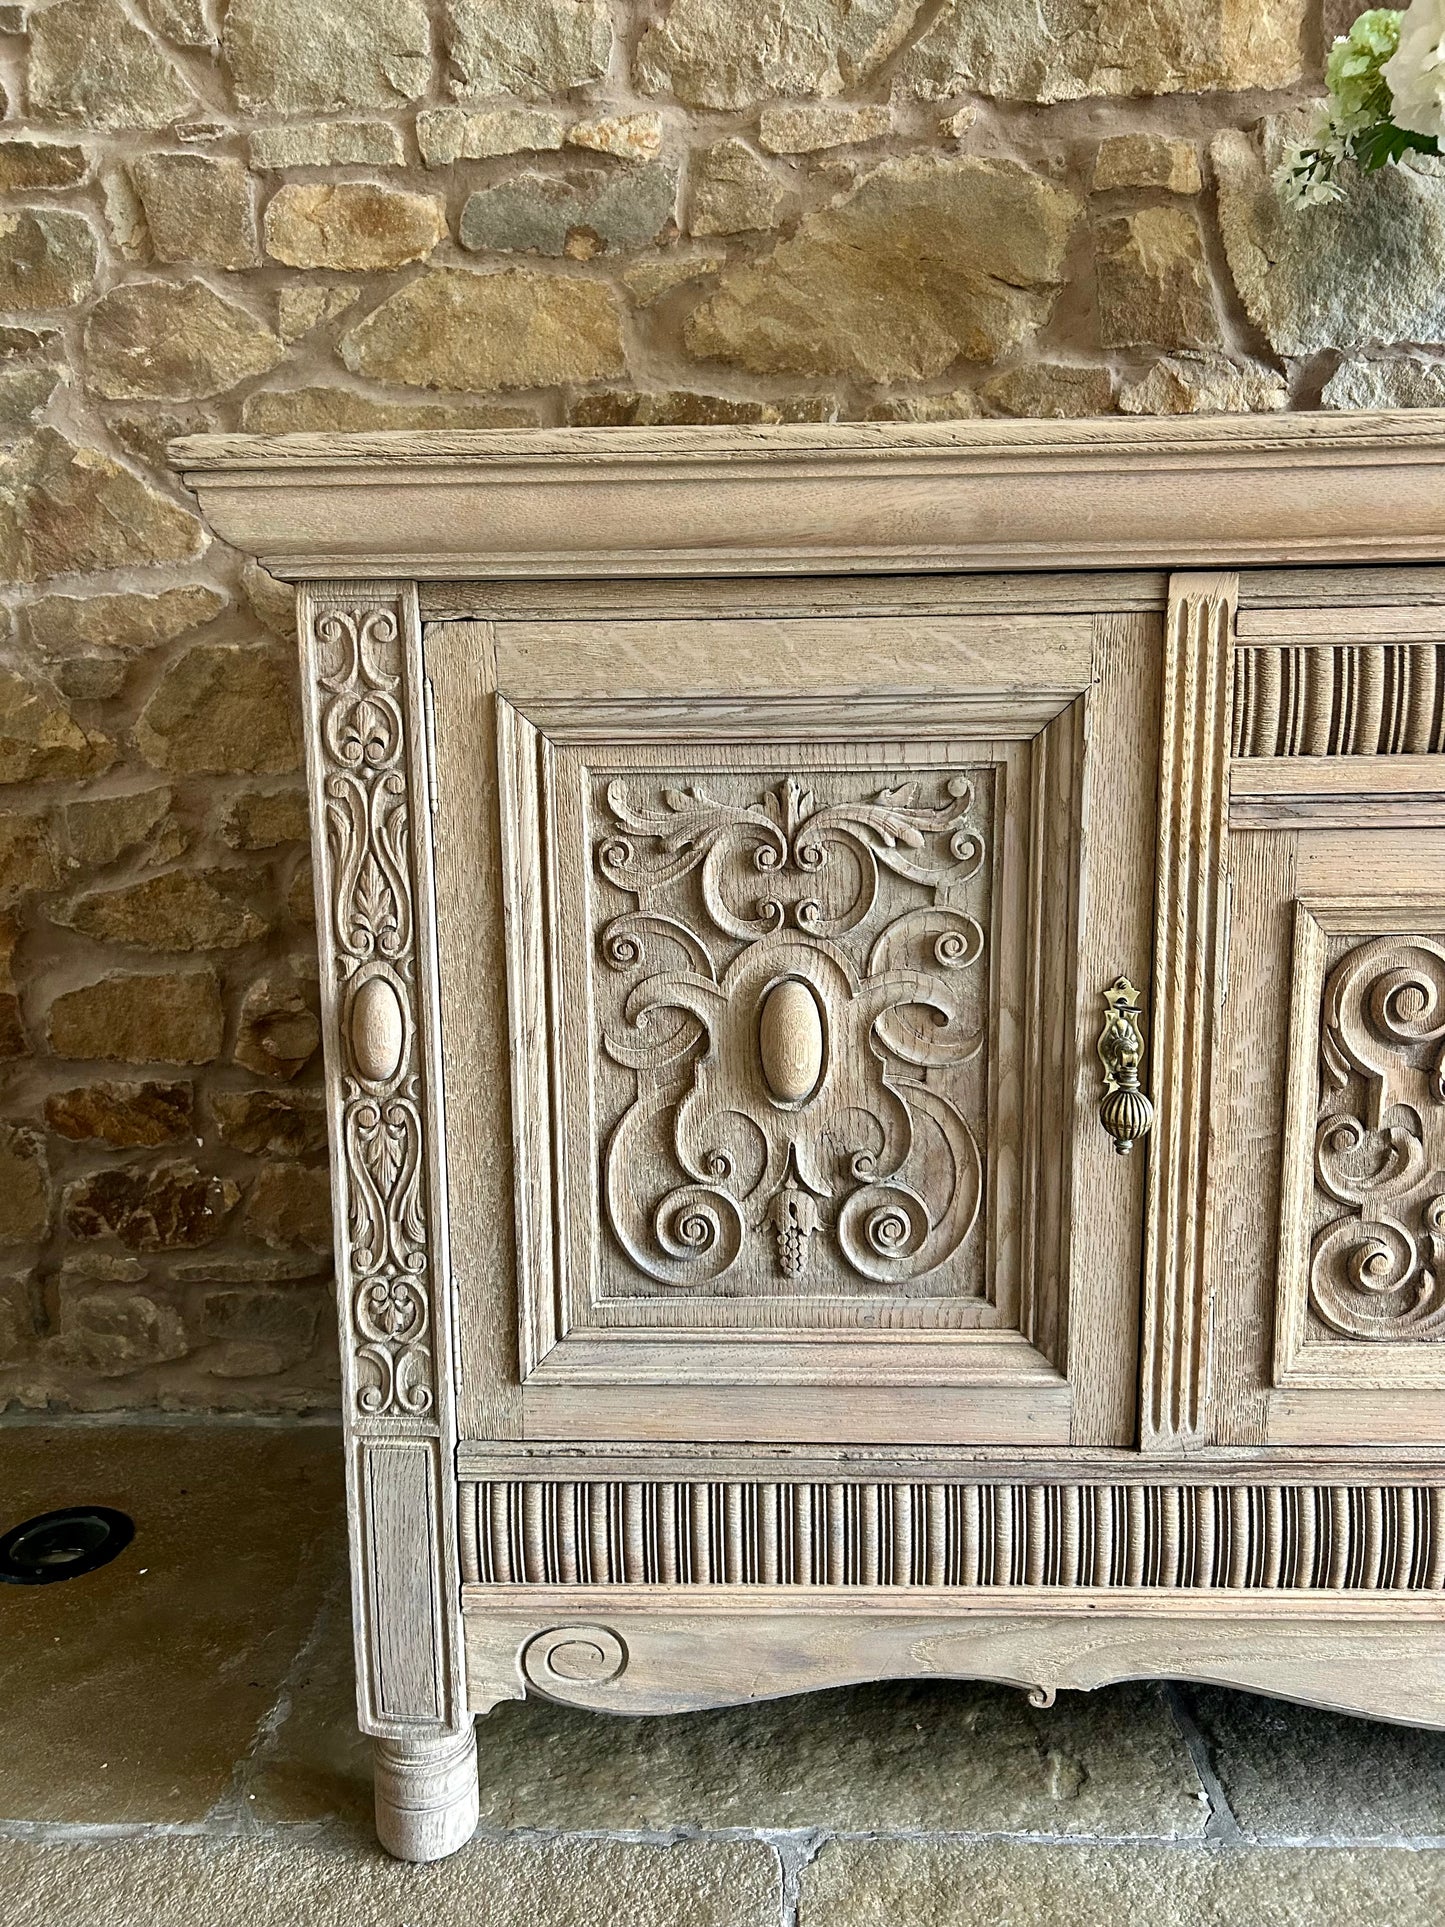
x=1332, y=1195
x=809, y=923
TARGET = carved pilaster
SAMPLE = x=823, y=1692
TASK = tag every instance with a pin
x=363, y=688
x=1190, y=948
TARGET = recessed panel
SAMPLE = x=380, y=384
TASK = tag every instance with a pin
x=777, y=979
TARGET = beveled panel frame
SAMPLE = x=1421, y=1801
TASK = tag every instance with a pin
x=1015, y=1385
x=556, y=1346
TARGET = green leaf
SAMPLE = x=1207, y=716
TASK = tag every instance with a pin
x=1385, y=143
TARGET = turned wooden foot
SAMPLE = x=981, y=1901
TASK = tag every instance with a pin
x=426, y=1794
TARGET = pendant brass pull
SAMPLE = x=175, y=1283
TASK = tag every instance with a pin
x=1125, y=1112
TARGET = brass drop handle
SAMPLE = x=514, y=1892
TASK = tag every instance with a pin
x=1125, y=1112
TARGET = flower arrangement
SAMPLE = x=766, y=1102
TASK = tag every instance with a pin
x=1386, y=81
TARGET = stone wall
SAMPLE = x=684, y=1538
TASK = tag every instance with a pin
x=316, y=214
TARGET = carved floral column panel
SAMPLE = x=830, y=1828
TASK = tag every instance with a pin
x=365, y=700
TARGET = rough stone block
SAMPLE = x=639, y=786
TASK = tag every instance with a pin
x=447, y=134
x=26, y=389
x=40, y=741
x=649, y=280
x=290, y=1204
x=1050, y=390
x=271, y=1123
x=1147, y=161
x=668, y=408
x=222, y=707
x=24, y=1186
x=1070, y=49
x=540, y=214
x=928, y=262
x=65, y=509
x=147, y=433
x=279, y=1032
x=91, y=62
x=1153, y=281
x=299, y=310
x=198, y=207
x=128, y=1115
x=731, y=53
x=271, y=601
x=351, y=224
x=734, y=190
x=29, y=860
x=174, y=1207
x=99, y=829
x=62, y=624
x=806, y=129
x=177, y=341
x=956, y=404
x=532, y=48
x=328, y=143
x=260, y=819
x=291, y=411
x=128, y=1018
x=26, y=162
x=258, y=1333
x=450, y=328
x=179, y=910
x=1362, y=270
x=184, y=21
x=107, y=1334
x=327, y=56
x=1399, y=383
x=630, y=137
x=1204, y=385
x=48, y=259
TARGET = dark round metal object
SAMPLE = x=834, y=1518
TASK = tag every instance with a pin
x=63, y=1544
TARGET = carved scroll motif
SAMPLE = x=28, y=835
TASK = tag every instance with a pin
x=1377, y=1271
x=791, y=1026
x=363, y=743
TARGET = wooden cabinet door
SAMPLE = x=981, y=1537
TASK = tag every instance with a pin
x=1331, y=1116
x=808, y=925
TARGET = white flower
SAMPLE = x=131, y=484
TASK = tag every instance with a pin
x=1415, y=73
x=1305, y=178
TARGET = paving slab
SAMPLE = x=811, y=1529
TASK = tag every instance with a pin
x=926, y=1884
x=1299, y=1773
x=932, y=1756
x=178, y=1882
x=130, y=1693
x=312, y=1766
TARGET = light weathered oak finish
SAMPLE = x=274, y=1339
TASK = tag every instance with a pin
x=1198, y=492
x=725, y=839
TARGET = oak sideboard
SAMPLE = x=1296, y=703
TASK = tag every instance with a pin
x=884, y=1006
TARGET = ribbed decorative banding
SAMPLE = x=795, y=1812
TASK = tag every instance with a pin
x=1339, y=699
x=1234, y=1537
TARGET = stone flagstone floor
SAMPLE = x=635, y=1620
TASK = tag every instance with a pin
x=177, y=1746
